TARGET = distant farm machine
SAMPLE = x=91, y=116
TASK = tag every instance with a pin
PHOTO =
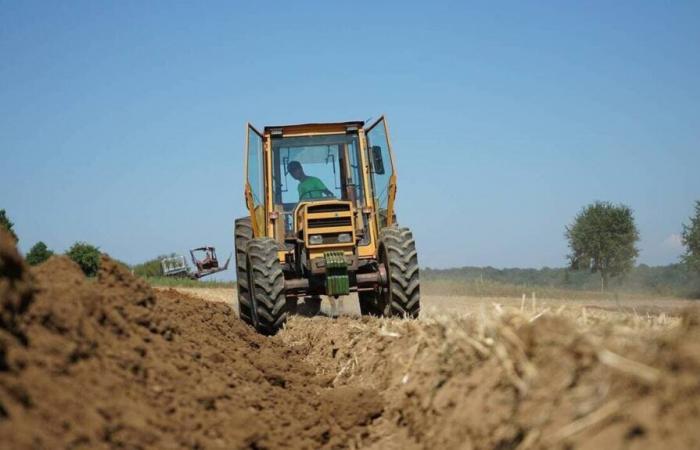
x=204, y=261
x=321, y=221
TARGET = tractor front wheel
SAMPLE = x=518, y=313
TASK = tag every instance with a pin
x=269, y=306
x=243, y=233
x=401, y=295
x=398, y=255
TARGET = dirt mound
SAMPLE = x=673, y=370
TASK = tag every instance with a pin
x=515, y=381
x=107, y=363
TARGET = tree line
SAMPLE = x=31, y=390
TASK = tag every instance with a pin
x=673, y=280
x=603, y=239
x=87, y=256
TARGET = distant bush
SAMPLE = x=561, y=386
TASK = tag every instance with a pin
x=38, y=254
x=86, y=256
x=152, y=267
x=7, y=224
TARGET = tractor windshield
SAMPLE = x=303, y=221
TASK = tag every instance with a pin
x=307, y=168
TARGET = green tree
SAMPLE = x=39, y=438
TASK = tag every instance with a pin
x=7, y=224
x=87, y=256
x=691, y=239
x=38, y=254
x=602, y=239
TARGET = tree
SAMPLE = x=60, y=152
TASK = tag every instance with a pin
x=691, y=239
x=38, y=254
x=602, y=239
x=7, y=224
x=87, y=256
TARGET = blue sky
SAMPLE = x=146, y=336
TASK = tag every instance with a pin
x=122, y=123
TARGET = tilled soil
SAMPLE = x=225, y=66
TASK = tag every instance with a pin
x=109, y=363
x=509, y=381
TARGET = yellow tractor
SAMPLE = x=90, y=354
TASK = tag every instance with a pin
x=321, y=221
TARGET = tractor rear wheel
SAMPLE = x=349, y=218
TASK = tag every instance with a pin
x=243, y=233
x=397, y=253
x=268, y=304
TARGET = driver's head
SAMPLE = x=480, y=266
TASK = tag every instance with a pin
x=295, y=169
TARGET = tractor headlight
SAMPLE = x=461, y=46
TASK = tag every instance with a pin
x=344, y=237
x=315, y=239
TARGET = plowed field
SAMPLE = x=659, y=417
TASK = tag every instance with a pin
x=111, y=363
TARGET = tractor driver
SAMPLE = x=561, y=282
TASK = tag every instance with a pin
x=309, y=188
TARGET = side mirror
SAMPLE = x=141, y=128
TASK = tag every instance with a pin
x=377, y=160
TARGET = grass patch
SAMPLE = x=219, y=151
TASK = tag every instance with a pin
x=187, y=282
x=490, y=288
x=674, y=280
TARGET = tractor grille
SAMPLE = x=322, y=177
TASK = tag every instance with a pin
x=327, y=221
x=330, y=222
x=328, y=207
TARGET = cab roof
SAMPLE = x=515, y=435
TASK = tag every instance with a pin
x=310, y=128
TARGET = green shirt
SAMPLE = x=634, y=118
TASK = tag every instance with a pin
x=311, y=188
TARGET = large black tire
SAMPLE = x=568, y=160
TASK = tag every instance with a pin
x=243, y=233
x=401, y=296
x=269, y=306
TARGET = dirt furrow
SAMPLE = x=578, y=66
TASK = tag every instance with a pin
x=109, y=364
x=510, y=380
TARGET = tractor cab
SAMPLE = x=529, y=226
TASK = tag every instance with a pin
x=314, y=168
